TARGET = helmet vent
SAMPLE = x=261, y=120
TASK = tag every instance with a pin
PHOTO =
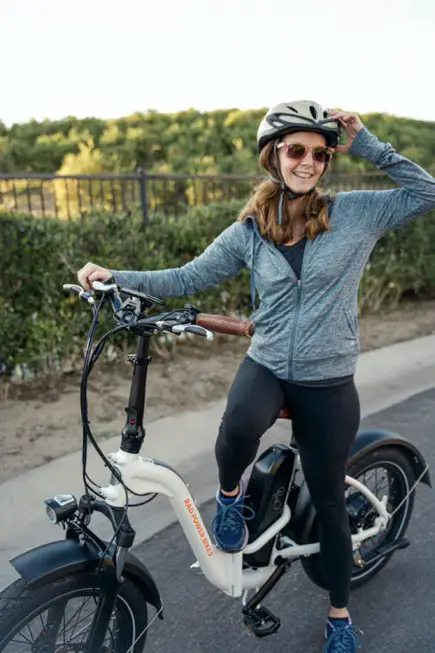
x=313, y=111
x=293, y=109
x=325, y=114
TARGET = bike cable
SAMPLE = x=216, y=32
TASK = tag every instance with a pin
x=91, y=356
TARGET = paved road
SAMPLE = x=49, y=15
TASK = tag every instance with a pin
x=396, y=610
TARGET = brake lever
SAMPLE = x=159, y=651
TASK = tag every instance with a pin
x=193, y=328
x=72, y=287
x=100, y=286
x=85, y=295
x=112, y=290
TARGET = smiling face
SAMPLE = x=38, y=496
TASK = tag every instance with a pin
x=301, y=175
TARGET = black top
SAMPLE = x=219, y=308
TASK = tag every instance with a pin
x=294, y=255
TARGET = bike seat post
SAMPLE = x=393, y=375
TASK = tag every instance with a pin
x=286, y=414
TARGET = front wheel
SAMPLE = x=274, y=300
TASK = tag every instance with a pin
x=385, y=471
x=56, y=617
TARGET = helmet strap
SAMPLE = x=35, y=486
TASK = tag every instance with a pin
x=285, y=190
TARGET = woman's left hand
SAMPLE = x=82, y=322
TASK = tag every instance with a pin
x=351, y=124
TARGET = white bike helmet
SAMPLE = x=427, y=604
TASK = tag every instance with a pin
x=287, y=117
x=302, y=115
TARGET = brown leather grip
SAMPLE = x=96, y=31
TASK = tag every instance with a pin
x=223, y=324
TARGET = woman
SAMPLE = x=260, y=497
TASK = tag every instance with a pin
x=306, y=253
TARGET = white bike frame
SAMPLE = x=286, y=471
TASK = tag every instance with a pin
x=223, y=570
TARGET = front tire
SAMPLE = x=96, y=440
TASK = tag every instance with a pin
x=58, y=615
x=397, y=469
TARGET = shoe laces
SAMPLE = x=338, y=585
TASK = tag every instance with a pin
x=343, y=639
x=229, y=516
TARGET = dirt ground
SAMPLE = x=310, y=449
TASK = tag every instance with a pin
x=43, y=423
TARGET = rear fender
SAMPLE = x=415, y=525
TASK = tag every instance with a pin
x=366, y=441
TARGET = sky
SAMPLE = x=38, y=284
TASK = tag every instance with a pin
x=108, y=59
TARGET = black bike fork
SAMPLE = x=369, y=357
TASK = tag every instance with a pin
x=110, y=576
x=109, y=590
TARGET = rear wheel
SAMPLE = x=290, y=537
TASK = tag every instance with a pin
x=56, y=617
x=386, y=472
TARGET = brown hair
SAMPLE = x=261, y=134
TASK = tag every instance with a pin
x=264, y=206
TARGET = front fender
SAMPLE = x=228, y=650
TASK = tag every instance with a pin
x=56, y=559
x=367, y=441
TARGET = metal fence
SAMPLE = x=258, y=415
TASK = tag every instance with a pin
x=69, y=196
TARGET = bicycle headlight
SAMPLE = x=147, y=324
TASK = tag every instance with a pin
x=60, y=507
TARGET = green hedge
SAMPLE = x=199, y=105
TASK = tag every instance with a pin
x=41, y=327
x=203, y=142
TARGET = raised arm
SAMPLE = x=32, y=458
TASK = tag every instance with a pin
x=391, y=208
x=383, y=210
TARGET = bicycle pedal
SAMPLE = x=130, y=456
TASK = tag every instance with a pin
x=262, y=622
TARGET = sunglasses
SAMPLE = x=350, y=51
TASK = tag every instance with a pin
x=297, y=152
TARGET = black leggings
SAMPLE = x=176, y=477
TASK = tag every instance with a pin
x=325, y=421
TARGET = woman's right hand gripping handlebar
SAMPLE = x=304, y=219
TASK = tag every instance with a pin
x=92, y=272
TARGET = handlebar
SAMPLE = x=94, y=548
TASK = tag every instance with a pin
x=223, y=324
x=189, y=320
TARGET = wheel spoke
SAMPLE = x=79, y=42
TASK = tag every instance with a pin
x=84, y=602
x=382, y=479
x=64, y=626
x=31, y=634
x=70, y=631
x=26, y=641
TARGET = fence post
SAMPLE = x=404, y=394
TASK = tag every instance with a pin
x=142, y=193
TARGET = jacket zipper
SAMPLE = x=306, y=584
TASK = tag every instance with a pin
x=298, y=307
x=294, y=328
x=298, y=299
x=297, y=312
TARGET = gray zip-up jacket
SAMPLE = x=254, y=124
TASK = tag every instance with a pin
x=306, y=330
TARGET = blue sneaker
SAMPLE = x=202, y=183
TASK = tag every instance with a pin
x=342, y=636
x=229, y=524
